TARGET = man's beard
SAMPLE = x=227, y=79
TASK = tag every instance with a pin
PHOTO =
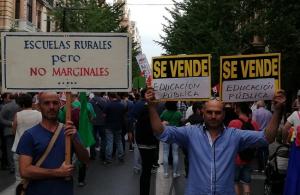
x=50, y=118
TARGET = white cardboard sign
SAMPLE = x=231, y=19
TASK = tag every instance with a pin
x=182, y=77
x=144, y=65
x=248, y=90
x=66, y=61
x=182, y=88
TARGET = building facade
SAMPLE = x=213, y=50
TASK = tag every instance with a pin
x=26, y=15
x=130, y=24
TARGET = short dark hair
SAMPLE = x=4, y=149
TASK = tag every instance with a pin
x=5, y=95
x=171, y=105
x=143, y=92
x=244, y=108
x=196, y=106
x=112, y=95
x=24, y=100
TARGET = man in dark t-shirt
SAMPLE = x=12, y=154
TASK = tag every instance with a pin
x=50, y=177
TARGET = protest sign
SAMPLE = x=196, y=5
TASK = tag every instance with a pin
x=249, y=77
x=66, y=61
x=182, y=77
x=144, y=65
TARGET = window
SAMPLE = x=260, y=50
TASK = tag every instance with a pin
x=48, y=24
x=29, y=10
x=51, y=2
x=39, y=19
x=17, y=9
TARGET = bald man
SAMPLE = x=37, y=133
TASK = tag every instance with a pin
x=261, y=115
x=49, y=178
x=212, y=147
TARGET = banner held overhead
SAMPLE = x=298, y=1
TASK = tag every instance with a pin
x=182, y=77
x=66, y=61
x=249, y=77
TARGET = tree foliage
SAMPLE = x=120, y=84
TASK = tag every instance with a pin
x=227, y=27
x=283, y=35
x=92, y=16
x=88, y=16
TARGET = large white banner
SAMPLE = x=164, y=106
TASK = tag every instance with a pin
x=66, y=61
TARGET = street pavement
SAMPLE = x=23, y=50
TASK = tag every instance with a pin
x=119, y=179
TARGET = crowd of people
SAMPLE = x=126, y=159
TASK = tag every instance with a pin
x=219, y=140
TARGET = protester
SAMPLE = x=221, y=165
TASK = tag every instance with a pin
x=229, y=113
x=189, y=111
x=182, y=107
x=50, y=177
x=212, y=147
x=146, y=141
x=7, y=114
x=5, y=98
x=125, y=129
x=243, y=169
x=171, y=117
x=296, y=103
x=262, y=116
x=197, y=116
x=99, y=103
x=82, y=114
x=114, y=119
x=292, y=182
x=23, y=120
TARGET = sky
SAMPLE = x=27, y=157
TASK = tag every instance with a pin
x=149, y=20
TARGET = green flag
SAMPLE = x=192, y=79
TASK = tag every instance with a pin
x=85, y=129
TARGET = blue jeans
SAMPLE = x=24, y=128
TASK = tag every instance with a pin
x=166, y=148
x=99, y=131
x=112, y=136
x=136, y=157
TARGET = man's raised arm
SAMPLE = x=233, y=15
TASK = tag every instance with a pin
x=278, y=104
x=156, y=124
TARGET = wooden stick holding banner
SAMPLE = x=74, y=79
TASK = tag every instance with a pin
x=68, y=118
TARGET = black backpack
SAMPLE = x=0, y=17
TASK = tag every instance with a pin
x=249, y=153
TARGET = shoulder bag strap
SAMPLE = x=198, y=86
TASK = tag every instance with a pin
x=25, y=182
x=50, y=145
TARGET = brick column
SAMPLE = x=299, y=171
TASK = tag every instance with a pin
x=22, y=11
x=34, y=12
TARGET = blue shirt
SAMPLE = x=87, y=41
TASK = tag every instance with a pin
x=34, y=143
x=211, y=163
x=115, y=113
x=262, y=116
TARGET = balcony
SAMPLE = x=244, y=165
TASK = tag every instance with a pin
x=23, y=25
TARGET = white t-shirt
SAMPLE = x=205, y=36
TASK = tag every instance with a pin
x=294, y=119
x=25, y=120
x=189, y=112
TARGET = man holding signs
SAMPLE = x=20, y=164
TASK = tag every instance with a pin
x=249, y=77
x=213, y=147
x=182, y=77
